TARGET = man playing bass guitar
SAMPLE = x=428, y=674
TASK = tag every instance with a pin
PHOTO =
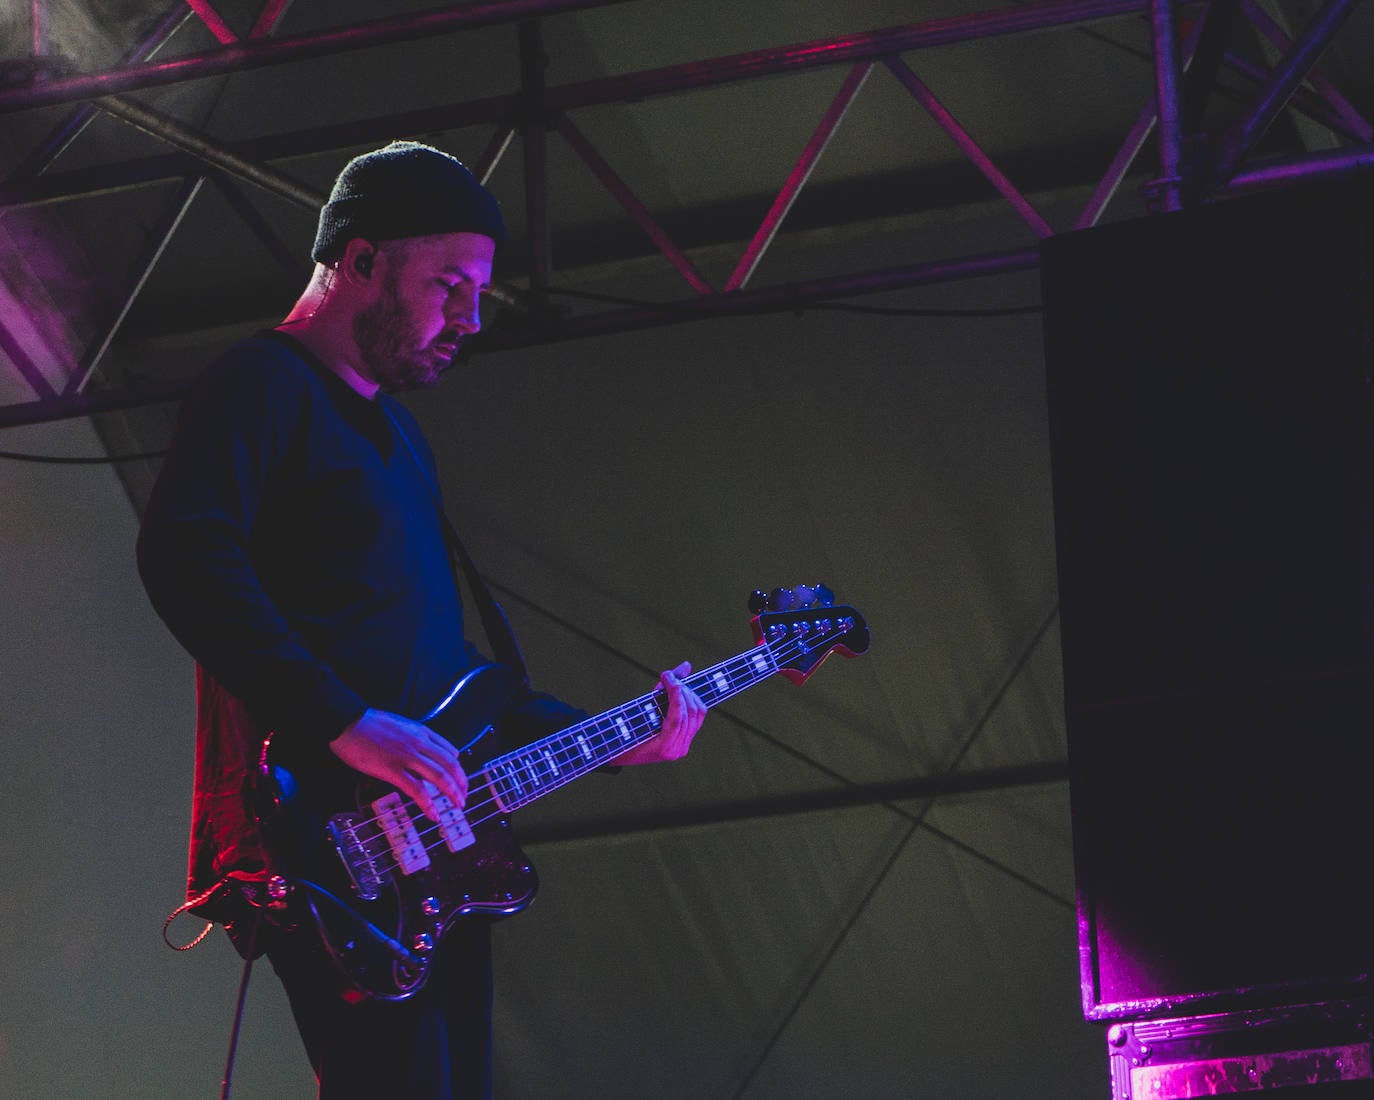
x=295, y=547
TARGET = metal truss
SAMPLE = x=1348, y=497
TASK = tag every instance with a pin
x=1193, y=168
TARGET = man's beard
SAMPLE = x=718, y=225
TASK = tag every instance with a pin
x=390, y=346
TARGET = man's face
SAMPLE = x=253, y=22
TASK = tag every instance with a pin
x=426, y=303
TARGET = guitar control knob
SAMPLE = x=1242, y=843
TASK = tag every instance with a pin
x=758, y=601
x=422, y=944
x=430, y=907
x=824, y=596
x=277, y=890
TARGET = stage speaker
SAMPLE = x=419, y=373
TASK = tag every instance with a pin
x=1210, y=421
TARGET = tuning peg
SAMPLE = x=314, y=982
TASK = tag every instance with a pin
x=758, y=601
x=781, y=599
x=824, y=596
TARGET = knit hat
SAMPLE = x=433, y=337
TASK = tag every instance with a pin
x=404, y=190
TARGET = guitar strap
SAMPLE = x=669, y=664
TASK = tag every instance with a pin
x=494, y=622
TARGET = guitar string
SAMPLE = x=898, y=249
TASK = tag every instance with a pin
x=601, y=732
x=642, y=729
x=571, y=765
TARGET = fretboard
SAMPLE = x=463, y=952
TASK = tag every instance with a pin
x=543, y=766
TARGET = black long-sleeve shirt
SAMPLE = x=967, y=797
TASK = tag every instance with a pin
x=293, y=544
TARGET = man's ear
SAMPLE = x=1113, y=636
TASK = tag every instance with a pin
x=358, y=259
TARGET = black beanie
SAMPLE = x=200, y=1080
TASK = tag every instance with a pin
x=404, y=190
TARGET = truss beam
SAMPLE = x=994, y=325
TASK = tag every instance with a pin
x=1134, y=143
x=213, y=21
x=535, y=109
x=264, y=51
x=268, y=18
x=1168, y=103
x=38, y=27
x=205, y=151
x=630, y=87
x=1333, y=164
x=1239, y=139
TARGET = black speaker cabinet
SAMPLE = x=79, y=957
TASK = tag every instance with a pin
x=1210, y=405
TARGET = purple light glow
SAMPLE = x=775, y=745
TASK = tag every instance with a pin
x=46, y=308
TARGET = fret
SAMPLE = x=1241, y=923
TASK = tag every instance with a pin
x=599, y=738
x=529, y=778
x=538, y=769
x=731, y=677
x=505, y=782
x=522, y=778
x=652, y=715
x=721, y=682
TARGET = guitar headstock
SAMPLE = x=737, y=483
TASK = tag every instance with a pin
x=801, y=626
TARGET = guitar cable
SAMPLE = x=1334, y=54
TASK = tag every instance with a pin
x=394, y=948
x=225, y=1082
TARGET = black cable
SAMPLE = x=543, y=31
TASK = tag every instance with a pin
x=839, y=307
x=225, y=1082
x=892, y=311
x=59, y=460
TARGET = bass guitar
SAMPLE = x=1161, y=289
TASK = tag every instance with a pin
x=381, y=883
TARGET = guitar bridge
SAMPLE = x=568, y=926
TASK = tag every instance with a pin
x=361, y=855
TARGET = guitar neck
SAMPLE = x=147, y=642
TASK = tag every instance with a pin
x=542, y=767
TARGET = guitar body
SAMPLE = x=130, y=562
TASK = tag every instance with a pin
x=380, y=916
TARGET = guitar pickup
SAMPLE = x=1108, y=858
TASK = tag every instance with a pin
x=453, y=826
x=400, y=833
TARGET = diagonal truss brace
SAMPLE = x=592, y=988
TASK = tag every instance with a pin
x=1297, y=62
x=801, y=172
x=632, y=206
x=970, y=148
x=159, y=241
x=1354, y=121
x=213, y=21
